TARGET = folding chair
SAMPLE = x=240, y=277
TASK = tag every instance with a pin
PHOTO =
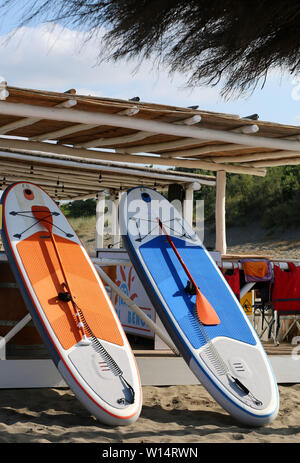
x=286, y=315
x=259, y=272
x=286, y=300
x=264, y=309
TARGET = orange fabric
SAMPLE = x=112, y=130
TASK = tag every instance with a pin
x=255, y=269
x=42, y=266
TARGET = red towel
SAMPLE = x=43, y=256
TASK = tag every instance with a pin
x=233, y=279
x=286, y=286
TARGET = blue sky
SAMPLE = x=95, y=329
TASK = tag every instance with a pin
x=55, y=58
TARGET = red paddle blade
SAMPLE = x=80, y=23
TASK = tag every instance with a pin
x=43, y=214
x=205, y=311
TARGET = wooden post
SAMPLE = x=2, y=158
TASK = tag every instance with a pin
x=115, y=229
x=100, y=207
x=221, y=245
x=188, y=205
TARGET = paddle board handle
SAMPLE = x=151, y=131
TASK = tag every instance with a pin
x=245, y=390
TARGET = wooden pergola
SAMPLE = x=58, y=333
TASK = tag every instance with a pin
x=84, y=146
x=68, y=178
x=75, y=144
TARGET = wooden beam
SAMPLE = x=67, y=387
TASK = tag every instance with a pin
x=82, y=197
x=190, y=120
x=115, y=229
x=78, y=127
x=157, y=147
x=101, y=167
x=204, y=150
x=114, y=140
x=63, y=132
x=221, y=245
x=100, y=208
x=138, y=136
x=254, y=156
x=108, y=156
x=32, y=120
x=251, y=128
x=129, y=111
x=4, y=93
x=155, y=126
x=63, y=176
x=49, y=183
x=108, y=181
x=188, y=204
x=293, y=161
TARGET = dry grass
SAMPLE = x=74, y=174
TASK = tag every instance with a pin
x=85, y=227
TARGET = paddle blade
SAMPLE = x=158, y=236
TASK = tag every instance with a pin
x=205, y=311
x=44, y=216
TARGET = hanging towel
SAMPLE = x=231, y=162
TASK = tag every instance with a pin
x=286, y=286
x=232, y=276
x=257, y=270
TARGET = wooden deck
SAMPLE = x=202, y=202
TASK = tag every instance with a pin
x=283, y=349
x=39, y=351
x=31, y=366
x=163, y=367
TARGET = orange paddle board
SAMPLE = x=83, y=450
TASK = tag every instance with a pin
x=69, y=305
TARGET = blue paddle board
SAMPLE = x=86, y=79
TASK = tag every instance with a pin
x=225, y=353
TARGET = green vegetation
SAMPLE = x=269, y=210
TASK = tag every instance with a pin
x=272, y=201
x=81, y=208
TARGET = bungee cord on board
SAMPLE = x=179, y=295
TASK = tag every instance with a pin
x=37, y=221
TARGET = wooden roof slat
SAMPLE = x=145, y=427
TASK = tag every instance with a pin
x=86, y=167
x=153, y=125
x=26, y=121
x=115, y=157
x=57, y=134
x=69, y=179
x=101, y=142
x=131, y=129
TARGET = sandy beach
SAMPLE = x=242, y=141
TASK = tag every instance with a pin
x=173, y=414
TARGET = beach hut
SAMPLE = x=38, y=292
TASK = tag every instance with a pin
x=78, y=146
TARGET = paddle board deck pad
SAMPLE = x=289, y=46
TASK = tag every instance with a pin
x=69, y=305
x=221, y=347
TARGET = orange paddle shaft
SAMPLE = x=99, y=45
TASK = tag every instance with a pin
x=177, y=254
x=80, y=325
x=205, y=311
